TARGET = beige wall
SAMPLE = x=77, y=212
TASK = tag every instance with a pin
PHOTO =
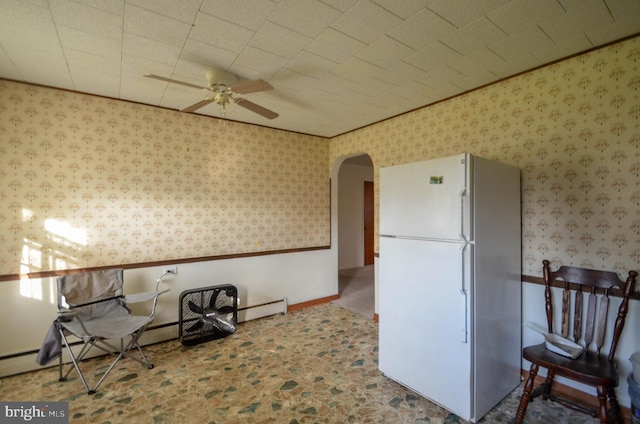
x=89, y=181
x=574, y=130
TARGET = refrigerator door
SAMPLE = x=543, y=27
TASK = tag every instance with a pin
x=425, y=321
x=427, y=199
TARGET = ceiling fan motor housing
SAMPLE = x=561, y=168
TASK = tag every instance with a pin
x=219, y=77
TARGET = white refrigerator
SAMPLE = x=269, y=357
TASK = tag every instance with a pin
x=450, y=285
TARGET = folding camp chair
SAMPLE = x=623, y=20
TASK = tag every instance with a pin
x=93, y=308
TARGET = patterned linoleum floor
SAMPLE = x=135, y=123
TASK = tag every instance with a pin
x=316, y=365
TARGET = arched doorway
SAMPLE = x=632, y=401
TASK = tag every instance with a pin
x=355, y=235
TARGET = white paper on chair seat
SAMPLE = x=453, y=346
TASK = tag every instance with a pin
x=556, y=343
x=562, y=346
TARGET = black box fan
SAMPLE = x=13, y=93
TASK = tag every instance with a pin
x=208, y=313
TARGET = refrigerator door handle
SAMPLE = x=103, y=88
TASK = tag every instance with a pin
x=464, y=293
x=462, y=194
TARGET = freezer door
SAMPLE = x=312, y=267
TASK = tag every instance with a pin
x=424, y=329
x=427, y=199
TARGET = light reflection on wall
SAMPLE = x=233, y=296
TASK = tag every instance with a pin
x=31, y=258
x=64, y=233
x=65, y=239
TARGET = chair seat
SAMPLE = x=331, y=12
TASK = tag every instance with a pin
x=589, y=368
x=107, y=327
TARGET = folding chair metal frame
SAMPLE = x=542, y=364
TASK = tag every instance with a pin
x=93, y=335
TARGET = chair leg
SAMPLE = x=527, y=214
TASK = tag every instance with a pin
x=544, y=389
x=75, y=365
x=526, y=394
x=613, y=414
x=104, y=375
x=602, y=401
x=60, y=378
x=133, y=343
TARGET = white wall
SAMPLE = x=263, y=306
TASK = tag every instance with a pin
x=28, y=307
x=351, y=180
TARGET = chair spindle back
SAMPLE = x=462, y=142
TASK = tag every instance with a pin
x=588, y=327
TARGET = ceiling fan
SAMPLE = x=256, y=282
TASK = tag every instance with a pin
x=223, y=87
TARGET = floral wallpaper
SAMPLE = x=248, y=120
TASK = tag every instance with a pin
x=89, y=181
x=572, y=127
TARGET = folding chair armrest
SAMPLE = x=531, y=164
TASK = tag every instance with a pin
x=143, y=297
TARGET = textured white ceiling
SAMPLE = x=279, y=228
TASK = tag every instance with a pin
x=335, y=65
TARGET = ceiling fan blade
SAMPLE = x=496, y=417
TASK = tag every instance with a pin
x=196, y=106
x=251, y=87
x=186, y=84
x=269, y=114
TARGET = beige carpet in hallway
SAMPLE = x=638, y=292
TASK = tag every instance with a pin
x=356, y=289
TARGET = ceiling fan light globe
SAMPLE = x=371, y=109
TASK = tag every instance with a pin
x=221, y=98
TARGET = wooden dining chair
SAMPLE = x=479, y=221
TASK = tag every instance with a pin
x=587, y=326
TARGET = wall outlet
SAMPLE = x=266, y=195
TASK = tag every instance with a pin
x=170, y=270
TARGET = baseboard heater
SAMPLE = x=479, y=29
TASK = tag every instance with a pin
x=169, y=331
x=262, y=310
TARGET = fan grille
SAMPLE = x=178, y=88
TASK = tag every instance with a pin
x=208, y=313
